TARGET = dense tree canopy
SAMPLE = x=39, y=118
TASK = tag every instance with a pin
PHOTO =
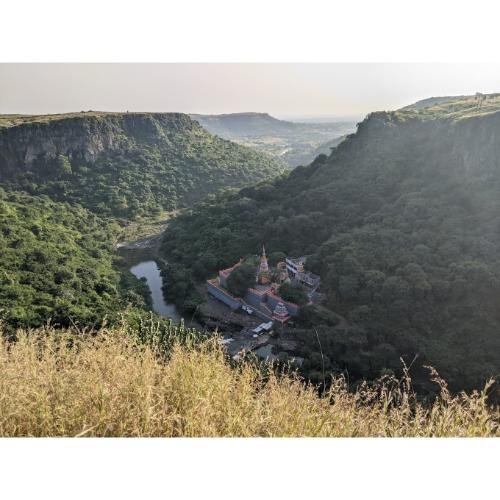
x=402, y=223
x=127, y=165
x=240, y=280
x=293, y=293
x=57, y=264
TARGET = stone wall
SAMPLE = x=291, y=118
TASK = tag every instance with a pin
x=223, y=296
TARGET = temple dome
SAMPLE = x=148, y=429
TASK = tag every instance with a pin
x=280, y=312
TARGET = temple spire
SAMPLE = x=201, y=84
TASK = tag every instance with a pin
x=263, y=270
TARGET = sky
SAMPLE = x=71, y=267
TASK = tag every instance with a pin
x=293, y=91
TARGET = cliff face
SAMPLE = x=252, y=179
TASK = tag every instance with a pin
x=467, y=147
x=83, y=137
x=124, y=164
x=476, y=145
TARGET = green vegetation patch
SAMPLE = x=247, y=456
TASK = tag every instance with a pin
x=57, y=264
x=125, y=165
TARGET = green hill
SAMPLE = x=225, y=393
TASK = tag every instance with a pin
x=57, y=264
x=401, y=222
x=123, y=164
x=244, y=124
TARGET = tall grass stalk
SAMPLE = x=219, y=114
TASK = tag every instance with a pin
x=55, y=383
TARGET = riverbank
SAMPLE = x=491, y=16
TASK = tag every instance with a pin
x=149, y=271
x=138, y=251
x=141, y=258
x=143, y=229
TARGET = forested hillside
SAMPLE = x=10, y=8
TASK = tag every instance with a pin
x=123, y=164
x=57, y=264
x=58, y=258
x=402, y=223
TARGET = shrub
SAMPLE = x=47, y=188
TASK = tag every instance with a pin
x=240, y=280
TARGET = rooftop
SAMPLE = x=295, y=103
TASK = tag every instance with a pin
x=296, y=260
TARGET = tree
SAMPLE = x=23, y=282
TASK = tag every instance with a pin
x=276, y=257
x=348, y=286
x=63, y=165
x=240, y=280
x=293, y=294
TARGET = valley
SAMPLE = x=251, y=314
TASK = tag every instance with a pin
x=103, y=213
x=293, y=142
x=76, y=186
x=400, y=221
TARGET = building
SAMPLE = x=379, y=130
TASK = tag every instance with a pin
x=294, y=266
x=297, y=273
x=263, y=275
x=262, y=328
x=262, y=299
x=280, y=312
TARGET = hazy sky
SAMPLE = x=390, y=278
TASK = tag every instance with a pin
x=283, y=90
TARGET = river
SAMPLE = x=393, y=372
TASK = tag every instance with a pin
x=149, y=269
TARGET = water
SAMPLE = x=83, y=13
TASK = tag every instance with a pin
x=149, y=270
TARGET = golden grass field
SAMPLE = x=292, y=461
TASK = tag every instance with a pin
x=55, y=383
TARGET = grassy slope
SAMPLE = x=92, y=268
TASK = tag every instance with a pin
x=111, y=385
x=13, y=120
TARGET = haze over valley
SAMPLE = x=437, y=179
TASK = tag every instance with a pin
x=296, y=143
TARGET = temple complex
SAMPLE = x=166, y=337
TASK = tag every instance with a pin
x=263, y=298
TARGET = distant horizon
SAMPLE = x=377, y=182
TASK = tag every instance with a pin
x=305, y=91
x=307, y=118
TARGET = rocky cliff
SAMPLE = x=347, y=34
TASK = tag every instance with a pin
x=124, y=164
x=83, y=136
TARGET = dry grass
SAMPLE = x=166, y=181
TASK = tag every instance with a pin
x=63, y=384
x=13, y=120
